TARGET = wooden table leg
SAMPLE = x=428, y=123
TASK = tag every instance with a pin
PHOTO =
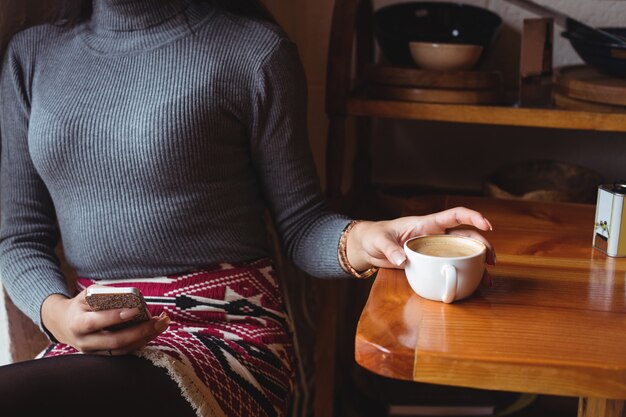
x=600, y=407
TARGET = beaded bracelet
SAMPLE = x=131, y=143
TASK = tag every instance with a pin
x=343, y=254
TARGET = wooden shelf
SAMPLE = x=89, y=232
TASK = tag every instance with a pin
x=488, y=114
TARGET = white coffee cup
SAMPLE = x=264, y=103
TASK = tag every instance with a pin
x=444, y=267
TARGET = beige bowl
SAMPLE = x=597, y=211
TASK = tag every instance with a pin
x=445, y=56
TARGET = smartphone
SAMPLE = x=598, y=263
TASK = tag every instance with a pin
x=106, y=298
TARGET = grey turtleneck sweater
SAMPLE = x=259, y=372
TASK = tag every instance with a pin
x=152, y=137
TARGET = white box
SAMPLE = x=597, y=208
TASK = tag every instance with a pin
x=610, y=227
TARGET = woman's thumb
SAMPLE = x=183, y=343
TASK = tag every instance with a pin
x=393, y=252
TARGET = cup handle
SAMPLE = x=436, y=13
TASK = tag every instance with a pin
x=449, y=272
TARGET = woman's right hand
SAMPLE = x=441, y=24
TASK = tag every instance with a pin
x=73, y=322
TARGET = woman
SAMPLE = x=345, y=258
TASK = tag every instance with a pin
x=151, y=136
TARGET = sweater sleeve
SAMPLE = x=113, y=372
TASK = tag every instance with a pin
x=308, y=230
x=29, y=268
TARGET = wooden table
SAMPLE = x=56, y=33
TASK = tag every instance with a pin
x=554, y=321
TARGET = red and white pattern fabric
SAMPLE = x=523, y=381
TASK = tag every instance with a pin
x=229, y=346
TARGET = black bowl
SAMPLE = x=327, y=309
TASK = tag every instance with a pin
x=609, y=58
x=398, y=24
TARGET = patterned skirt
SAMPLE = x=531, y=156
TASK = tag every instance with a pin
x=229, y=345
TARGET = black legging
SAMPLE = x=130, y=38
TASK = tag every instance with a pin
x=89, y=386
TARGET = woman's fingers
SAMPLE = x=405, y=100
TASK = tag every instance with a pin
x=440, y=222
x=125, y=340
x=448, y=219
x=133, y=347
x=95, y=321
x=393, y=252
x=380, y=244
x=487, y=279
x=159, y=325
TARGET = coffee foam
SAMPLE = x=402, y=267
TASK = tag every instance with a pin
x=445, y=246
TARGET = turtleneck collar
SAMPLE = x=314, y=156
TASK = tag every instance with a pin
x=131, y=26
x=131, y=15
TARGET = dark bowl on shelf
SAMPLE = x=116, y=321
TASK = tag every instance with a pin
x=397, y=25
x=609, y=58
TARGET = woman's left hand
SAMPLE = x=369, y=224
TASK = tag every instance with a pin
x=380, y=244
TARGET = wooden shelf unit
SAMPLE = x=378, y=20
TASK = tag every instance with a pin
x=351, y=48
x=487, y=114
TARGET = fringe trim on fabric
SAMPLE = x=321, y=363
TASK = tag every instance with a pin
x=193, y=390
